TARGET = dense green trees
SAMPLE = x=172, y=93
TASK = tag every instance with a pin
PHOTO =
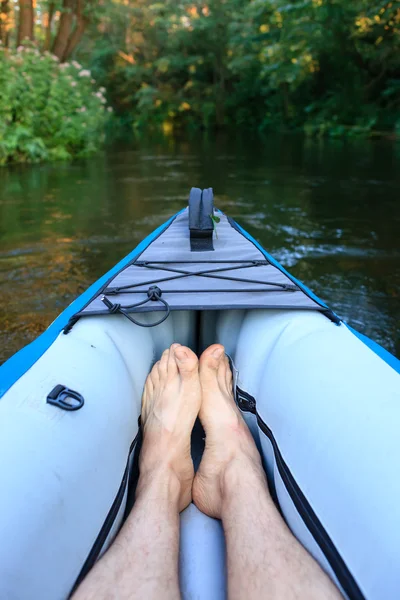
x=331, y=66
x=325, y=66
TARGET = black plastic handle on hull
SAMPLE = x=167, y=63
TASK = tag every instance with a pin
x=201, y=210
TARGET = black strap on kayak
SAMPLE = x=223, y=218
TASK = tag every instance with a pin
x=201, y=213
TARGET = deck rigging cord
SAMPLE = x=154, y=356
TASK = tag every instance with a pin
x=155, y=293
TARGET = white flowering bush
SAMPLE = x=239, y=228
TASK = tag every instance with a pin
x=48, y=110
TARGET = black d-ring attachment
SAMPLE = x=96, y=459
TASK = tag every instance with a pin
x=65, y=398
x=153, y=294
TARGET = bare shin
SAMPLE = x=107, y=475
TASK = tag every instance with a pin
x=143, y=560
x=264, y=559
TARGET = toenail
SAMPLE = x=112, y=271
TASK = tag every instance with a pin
x=180, y=353
x=218, y=352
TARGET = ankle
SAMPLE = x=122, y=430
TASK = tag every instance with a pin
x=242, y=476
x=161, y=482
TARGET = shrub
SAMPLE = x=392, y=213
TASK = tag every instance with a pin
x=48, y=110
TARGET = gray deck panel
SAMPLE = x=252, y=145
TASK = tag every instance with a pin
x=205, y=292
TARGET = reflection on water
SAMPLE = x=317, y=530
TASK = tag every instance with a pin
x=327, y=210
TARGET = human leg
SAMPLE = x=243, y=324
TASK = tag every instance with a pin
x=264, y=559
x=143, y=560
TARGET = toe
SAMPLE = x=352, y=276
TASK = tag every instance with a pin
x=163, y=364
x=147, y=394
x=172, y=365
x=225, y=374
x=148, y=387
x=211, y=358
x=228, y=378
x=155, y=374
x=186, y=361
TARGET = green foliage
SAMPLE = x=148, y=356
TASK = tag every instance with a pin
x=328, y=66
x=172, y=70
x=48, y=110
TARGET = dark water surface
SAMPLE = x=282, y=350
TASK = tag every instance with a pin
x=329, y=211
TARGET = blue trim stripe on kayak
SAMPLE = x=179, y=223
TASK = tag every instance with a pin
x=23, y=360
x=274, y=262
x=385, y=355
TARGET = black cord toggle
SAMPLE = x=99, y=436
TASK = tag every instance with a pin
x=153, y=295
x=113, y=308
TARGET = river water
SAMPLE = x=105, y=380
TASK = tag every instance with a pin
x=329, y=211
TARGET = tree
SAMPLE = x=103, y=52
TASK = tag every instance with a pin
x=59, y=27
x=26, y=20
x=329, y=66
x=49, y=20
x=72, y=25
x=64, y=29
x=82, y=21
x=5, y=21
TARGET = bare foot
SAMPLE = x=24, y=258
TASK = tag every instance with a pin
x=230, y=453
x=170, y=404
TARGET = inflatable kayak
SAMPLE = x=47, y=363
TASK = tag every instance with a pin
x=322, y=401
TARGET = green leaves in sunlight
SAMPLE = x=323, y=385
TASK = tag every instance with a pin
x=48, y=110
x=326, y=66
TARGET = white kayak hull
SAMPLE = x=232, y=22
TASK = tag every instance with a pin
x=323, y=407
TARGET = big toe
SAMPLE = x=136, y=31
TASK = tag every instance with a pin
x=186, y=361
x=211, y=358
